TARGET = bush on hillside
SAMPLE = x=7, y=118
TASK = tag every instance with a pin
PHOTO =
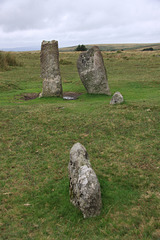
x=148, y=49
x=81, y=48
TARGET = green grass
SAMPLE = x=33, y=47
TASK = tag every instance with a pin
x=122, y=142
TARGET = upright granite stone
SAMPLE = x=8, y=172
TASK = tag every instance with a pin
x=84, y=190
x=92, y=71
x=52, y=84
x=117, y=98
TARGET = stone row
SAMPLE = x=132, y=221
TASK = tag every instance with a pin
x=90, y=66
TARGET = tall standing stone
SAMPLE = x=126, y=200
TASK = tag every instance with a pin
x=93, y=72
x=52, y=84
x=85, y=190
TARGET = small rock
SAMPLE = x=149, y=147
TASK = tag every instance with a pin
x=40, y=95
x=27, y=204
x=85, y=190
x=8, y=193
x=117, y=98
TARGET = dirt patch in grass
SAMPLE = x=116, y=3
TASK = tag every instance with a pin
x=30, y=96
x=27, y=96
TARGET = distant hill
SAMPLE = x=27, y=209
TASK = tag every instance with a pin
x=116, y=47
x=21, y=49
x=103, y=47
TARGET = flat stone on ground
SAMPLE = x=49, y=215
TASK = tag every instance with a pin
x=71, y=95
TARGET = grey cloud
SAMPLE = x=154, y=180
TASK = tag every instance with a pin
x=71, y=21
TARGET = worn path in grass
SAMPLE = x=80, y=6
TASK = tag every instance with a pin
x=122, y=142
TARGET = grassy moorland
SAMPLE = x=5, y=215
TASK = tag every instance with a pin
x=115, y=47
x=122, y=142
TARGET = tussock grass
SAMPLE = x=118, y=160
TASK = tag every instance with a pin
x=64, y=62
x=122, y=142
x=8, y=60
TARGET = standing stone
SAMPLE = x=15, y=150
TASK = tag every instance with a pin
x=117, y=98
x=84, y=189
x=92, y=71
x=52, y=84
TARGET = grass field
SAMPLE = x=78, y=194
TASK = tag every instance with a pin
x=122, y=142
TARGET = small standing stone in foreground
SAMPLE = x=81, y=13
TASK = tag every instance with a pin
x=84, y=189
x=92, y=71
x=117, y=98
x=52, y=83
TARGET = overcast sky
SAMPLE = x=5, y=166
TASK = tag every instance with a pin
x=25, y=23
